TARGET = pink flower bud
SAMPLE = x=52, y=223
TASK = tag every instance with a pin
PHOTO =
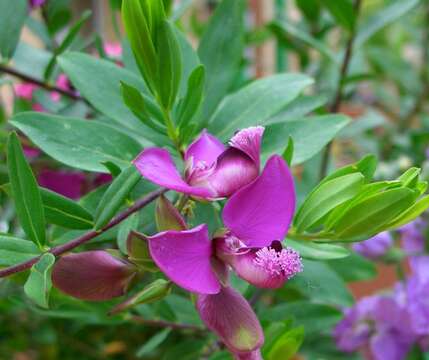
x=92, y=275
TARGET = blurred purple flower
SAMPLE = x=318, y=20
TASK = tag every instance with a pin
x=376, y=246
x=380, y=323
x=67, y=183
x=212, y=170
x=25, y=90
x=63, y=83
x=113, y=49
x=412, y=236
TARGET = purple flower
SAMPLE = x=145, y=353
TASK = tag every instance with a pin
x=412, y=236
x=92, y=275
x=417, y=292
x=376, y=246
x=380, y=323
x=25, y=90
x=255, y=216
x=212, y=170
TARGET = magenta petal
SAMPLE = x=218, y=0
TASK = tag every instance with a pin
x=262, y=211
x=230, y=316
x=249, y=141
x=156, y=165
x=92, y=275
x=185, y=257
x=233, y=170
x=206, y=148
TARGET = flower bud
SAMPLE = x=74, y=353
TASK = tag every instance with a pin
x=138, y=251
x=230, y=316
x=92, y=275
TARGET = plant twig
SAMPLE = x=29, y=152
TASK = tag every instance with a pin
x=61, y=249
x=339, y=92
x=167, y=324
x=11, y=71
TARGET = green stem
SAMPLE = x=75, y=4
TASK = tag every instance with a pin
x=171, y=130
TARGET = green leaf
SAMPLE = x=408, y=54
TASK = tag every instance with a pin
x=342, y=11
x=136, y=103
x=115, y=195
x=310, y=9
x=153, y=342
x=138, y=28
x=256, y=103
x=410, y=214
x=28, y=202
x=287, y=345
x=283, y=29
x=68, y=40
x=315, y=318
x=373, y=213
x=313, y=251
x=365, y=166
x=98, y=81
x=78, y=143
x=319, y=282
x=152, y=292
x=220, y=51
x=12, y=18
x=38, y=284
x=326, y=197
x=189, y=105
x=309, y=135
x=14, y=250
x=379, y=20
x=60, y=210
x=288, y=152
x=354, y=268
x=169, y=65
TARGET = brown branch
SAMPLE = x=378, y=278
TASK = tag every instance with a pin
x=335, y=106
x=8, y=70
x=61, y=249
x=167, y=324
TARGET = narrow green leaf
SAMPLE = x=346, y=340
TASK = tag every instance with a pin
x=99, y=82
x=76, y=142
x=138, y=28
x=354, y=268
x=115, y=195
x=12, y=18
x=153, y=342
x=410, y=214
x=288, y=153
x=313, y=251
x=385, y=16
x=309, y=135
x=38, y=284
x=68, y=40
x=287, y=345
x=328, y=196
x=169, y=65
x=60, y=210
x=14, y=250
x=342, y=11
x=220, y=50
x=282, y=29
x=255, y=103
x=190, y=104
x=372, y=213
x=25, y=192
x=136, y=103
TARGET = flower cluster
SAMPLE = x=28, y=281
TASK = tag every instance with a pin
x=389, y=325
x=256, y=216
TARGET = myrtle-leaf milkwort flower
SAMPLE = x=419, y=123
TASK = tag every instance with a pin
x=212, y=170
